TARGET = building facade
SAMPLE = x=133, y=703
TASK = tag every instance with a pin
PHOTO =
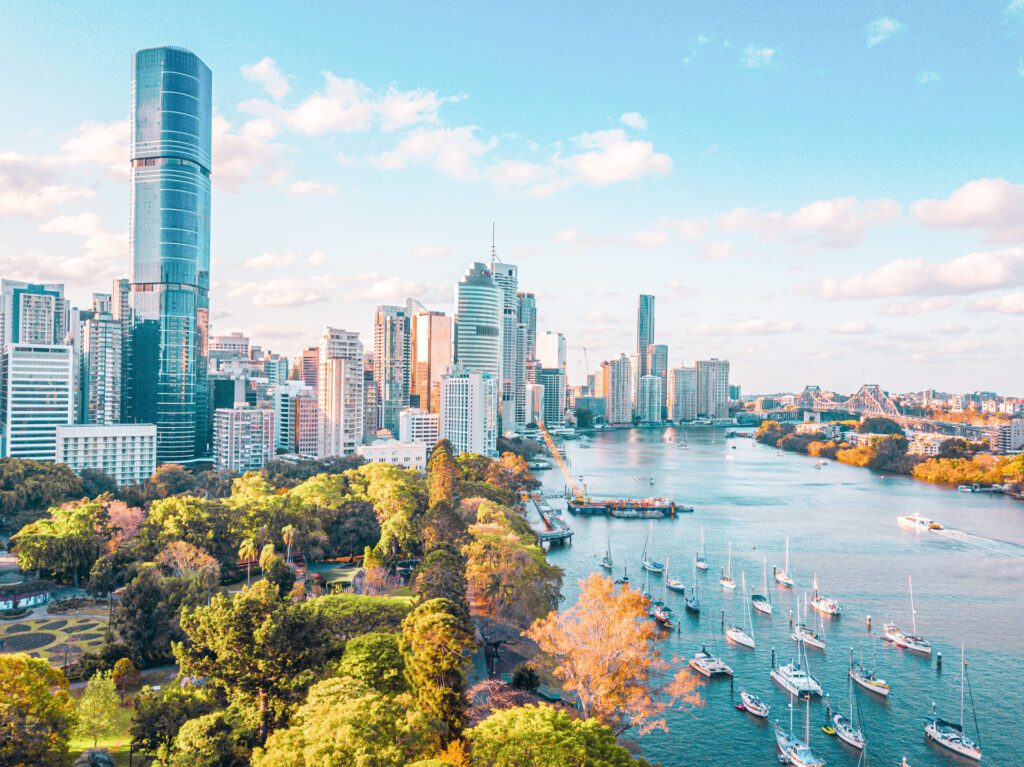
x=283, y=396
x=553, y=381
x=340, y=396
x=713, y=388
x=644, y=330
x=649, y=401
x=469, y=411
x=417, y=425
x=682, y=394
x=617, y=390
x=479, y=322
x=552, y=351
x=37, y=396
x=431, y=356
x=243, y=438
x=391, y=347
x=513, y=361
x=32, y=313
x=405, y=455
x=124, y=452
x=101, y=370
x=527, y=317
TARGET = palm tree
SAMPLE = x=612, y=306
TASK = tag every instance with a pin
x=288, y=536
x=247, y=553
x=266, y=556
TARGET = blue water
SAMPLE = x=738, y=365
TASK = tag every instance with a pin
x=841, y=520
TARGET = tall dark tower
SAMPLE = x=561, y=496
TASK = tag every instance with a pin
x=644, y=330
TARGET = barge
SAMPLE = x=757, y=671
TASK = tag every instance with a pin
x=628, y=508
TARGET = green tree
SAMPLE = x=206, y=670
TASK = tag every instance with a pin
x=125, y=675
x=351, y=528
x=346, y=616
x=437, y=642
x=99, y=709
x=247, y=553
x=442, y=524
x=443, y=474
x=145, y=620
x=65, y=544
x=159, y=716
x=879, y=425
x=198, y=522
x=543, y=736
x=171, y=479
x=95, y=483
x=219, y=739
x=260, y=650
x=442, y=573
x=36, y=713
x=376, y=660
x=28, y=488
x=280, y=574
x=398, y=497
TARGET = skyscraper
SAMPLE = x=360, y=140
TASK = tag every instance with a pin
x=479, y=322
x=713, y=388
x=340, y=395
x=170, y=248
x=644, y=329
x=31, y=313
x=617, y=388
x=391, y=363
x=551, y=350
x=469, y=411
x=527, y=315
x=513, y=363
x=648, y=399
x=657, y=365
x=431, y=356
x=682, y=394
x=100, y=376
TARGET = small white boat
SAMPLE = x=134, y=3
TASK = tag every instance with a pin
x=606, y=560
x=742, y=635
x=824, y=605
x=804, y=632
x=782, y=576
x=673, y=584
x=710, y=666
x=763, y=602
x=916, y=522
x=701, y=560
x=948, y=734
x=754, y=705
x=727, y=581
x=912, y=642
x=869, y=680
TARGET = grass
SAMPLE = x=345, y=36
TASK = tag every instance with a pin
x=117, y=745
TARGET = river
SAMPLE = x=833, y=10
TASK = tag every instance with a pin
x=841, y=521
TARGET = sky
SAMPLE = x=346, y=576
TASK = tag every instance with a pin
x=826, y=194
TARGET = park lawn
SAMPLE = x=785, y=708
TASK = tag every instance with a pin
x=117, y=745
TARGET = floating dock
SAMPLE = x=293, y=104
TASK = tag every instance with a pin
x=556, y=529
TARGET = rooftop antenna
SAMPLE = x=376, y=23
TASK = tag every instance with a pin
x=494, y=248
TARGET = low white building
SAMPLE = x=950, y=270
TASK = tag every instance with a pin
x=419, y=426
x=36, y=397
x=243, y=438
x=925, y=444
x=406, y=455
x=126, y=452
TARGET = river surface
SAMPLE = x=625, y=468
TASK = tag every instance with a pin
x=841, y=521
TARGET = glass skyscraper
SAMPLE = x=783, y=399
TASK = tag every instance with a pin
x=170, y=249
x=644, y=330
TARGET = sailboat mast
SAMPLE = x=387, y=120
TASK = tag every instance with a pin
x=728, y=570
x=913, y=612
x=787, y=555
x=962, y=666
x=807, y=733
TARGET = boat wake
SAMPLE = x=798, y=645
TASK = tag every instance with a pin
x=989, y=544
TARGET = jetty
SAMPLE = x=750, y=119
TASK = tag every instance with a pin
x=554, y=528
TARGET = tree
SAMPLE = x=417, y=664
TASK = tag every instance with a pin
x=288, y=536
x=280, y=574
x=442, y=524
x=260, y=650
x=159, y=716
x=247, y=553
x=125, y=675
x=145, y=620
x=398, y=497
x=99, y=708
x=376, y=660
x=544, y=736
x=266, y=555
x=182, y=559
x=436, y=642
x=95, y=482
x=604, y=650
x=584, y=418
x=36, y=712
x=346, y=616
x=879, y=425
x=65, y=543
x=197, y=522
x=28, y=487
x=525, y=677
x=511, y=473
x=442, y=573
x=351, y=528
x=171, y=479
x=343, y=722
x=219, y=739
x=443, y=474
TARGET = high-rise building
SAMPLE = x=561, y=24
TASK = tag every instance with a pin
x=551, y=350
x=120, y=307
x=635, y=368
x=417, y=425
x=275, y=368
x=306, y=426
x=644, y=329
x=479, y=322
x=535, y=403
x=713, y=388
x=371, y=400
x=469, y=411
x=169, y=243
x=36, y=397
x=431, y=356
x=649, y=403
x=617, y=389
x=308, y=366
x=682, y=394
x=32, y=313
x=243, y=438
x=553, y=381
x=283, y=399
x=125, y=452
x=513, y=373
x=340, y=395
x=101, y=370
x=657, y=365
x=391, y=363
x=232, y=347
x=527, y=316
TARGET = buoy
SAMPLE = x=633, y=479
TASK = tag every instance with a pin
x=869, y=622
x=790, y=617
x=938, y=661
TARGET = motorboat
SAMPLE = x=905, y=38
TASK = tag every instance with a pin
x=917, y=522
x=754, y=705
x=709, y=665
x=796, y=680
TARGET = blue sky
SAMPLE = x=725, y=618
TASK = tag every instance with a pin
x=826, y=196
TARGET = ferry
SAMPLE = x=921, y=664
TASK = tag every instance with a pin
x=916, y=522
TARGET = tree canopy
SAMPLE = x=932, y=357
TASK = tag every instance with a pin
x=36, y=713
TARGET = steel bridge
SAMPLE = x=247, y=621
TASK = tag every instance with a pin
x=870, y=400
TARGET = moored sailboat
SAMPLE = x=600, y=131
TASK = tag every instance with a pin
x=692, y=600
x=845, y=727
x=754, y=705
x=869, y=680
x=795, y=751
x=673, y=584
x=701, y=560
x=782, y=576
x=727, y=581
x=742, y=635
x=606, y=560
x=824, y=605
x=709, y=665
x=763, y=602
x=651, y=565
x=913, y=641
x=804, y=632
x=949, y=734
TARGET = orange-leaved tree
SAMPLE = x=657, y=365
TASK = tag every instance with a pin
x=604, y=650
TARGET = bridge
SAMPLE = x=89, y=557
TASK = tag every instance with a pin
x=870, y=401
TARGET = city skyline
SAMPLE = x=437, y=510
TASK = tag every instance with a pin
x=906, y=279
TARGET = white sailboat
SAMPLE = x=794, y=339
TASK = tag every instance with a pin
x=763, y=602
x=782, y=576
x=673, y=584
x=692, y=600
x=701, y=560
x=950, y=735
x=752, y=704
x=651, y=565
x=824, y=605
x=795, y=678
x=804, y=632
x=795, y=751
x=606, y=560
x=913, y=642
x=727, y=581
x=869, y=680
x=845, y=727
x=744, y=635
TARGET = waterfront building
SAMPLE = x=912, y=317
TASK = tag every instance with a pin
x=340, y=396
x=552, y=350
x=649, y=402
x=124, y=452
x=535, y=403
x=405, y=455
x=243, y=438
x=100, y=369
x=169, y=246
x=644, y=330
x=469, y=411
x=417, y=425
x=635, y=368
x=596, y=406
x=682, y=394
x=527, y=316
x=391, y=363
x=282, y=398
x=657, y=365
x=713, y=388
x=37, y=396
x=479, y=322
x=513, y=361
x=553, y=381
x=431, y=356
x=617, y=389
x=32, y=313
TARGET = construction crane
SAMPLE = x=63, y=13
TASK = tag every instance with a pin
x=577, y=492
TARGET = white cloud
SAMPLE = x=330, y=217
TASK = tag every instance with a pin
x=248, y=155
x=432, y=251
x=1012, y=303
x=692, y=229
x=927, y=78
x=698, y=44
x=512, y=174
x=104, y=144
x=29, y=188
x=395, y=289
x=914, y=308
x=266, y=73
x=452, y=151
x=1015, y=6
x=970, y=273
x=317, y=258
x=854, y=328
x=755, y=326
x=266, y=262
x=282, y=293
x=344, y=160
x=311, y=189
x=881, y=30
x=103, y=256
x=837, y=223
x=649, y=240
x=634, y=120
x=758, y=57
x=401, y=109
x=993, y=205
x=718, y=249
x=577, y=237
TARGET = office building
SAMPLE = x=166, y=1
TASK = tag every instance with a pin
x=391, y=363
x=644, y=329
x=431, y=356
x=617, y=389
x=682, y=394
x=649, y=402
x=169, y=245
x=513, y=373
x=99, y=383
x=125, y=452
x=306, y=426
x=553, y=381
x=552, y=350
x=243, y=438
x=307, y=367
x=527, y=317
x=36, y=397
x=232, y=347
x=713, y=388
x=635, y=367
x=405, y=455
x=417, y=425
x=535, y=403
x=479, y=322
x=32, y=314
x=120, y=309
x=274, y=368
x=469, y=411
x=657, y=365
x=341, y=393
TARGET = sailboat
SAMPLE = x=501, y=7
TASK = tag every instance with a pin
x=661, y=612
x=700, y=560
x=824, y=605
x=673, y=584
x=606, y=561
x=913, y=642
x=793, y=677
x=762, y=602
x=692, y=600
x=624, y=580
x=869, y=680
x=804, y=632
x=797, y=752
x=782, y=576
x=950, y=735
x=752, y=704
x=845, y=728
x=742, y=635
x=650, y=565
x=727, y=581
